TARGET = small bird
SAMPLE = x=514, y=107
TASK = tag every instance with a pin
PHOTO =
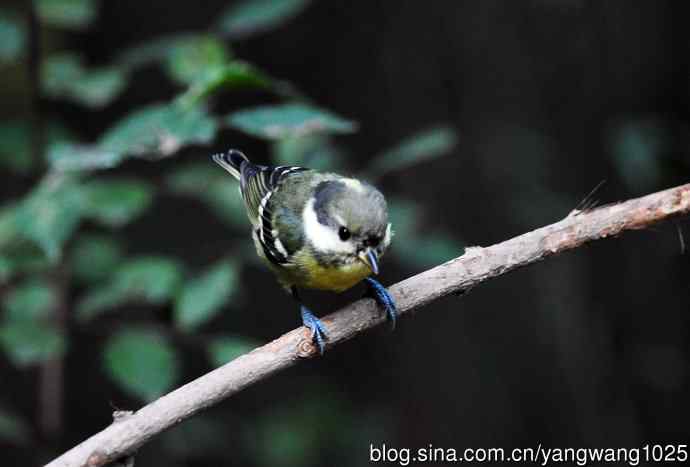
x=314, y=230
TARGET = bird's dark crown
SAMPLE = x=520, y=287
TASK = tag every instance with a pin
x=354, y=205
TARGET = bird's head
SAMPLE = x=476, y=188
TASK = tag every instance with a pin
x=346, y=221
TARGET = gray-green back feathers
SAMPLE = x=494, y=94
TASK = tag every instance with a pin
x=259, y=185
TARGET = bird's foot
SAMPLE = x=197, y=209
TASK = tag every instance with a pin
x=318, y=331
x=383, y=298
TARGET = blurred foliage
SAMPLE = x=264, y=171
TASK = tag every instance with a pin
x=201, y=180
x=223, y=349
x=31, y=300
x=65, y=76
x=425, y=145
x=63, y=239
x=431, y=248
x=116, y=202
x=124, y=145
x=26, y=333
x=142, y=362
x=50, y=213
x=204, y=296
x=638, y=148
x=159, y=129
x=15, y=152
x=13, y=428
x=64, y=228
x=30, y=342
x=94, y=256
x=278, y=122
x=70, y=14
x=148, y=279
x=12, y=37
x=254, y=16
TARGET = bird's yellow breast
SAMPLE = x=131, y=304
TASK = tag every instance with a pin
x=334, y=278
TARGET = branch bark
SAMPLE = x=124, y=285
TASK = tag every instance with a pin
x=474, y=267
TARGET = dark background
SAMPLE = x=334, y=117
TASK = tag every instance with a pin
x=589, y=348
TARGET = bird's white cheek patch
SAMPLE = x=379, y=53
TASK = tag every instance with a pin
x=321, y=236
x=388, y=236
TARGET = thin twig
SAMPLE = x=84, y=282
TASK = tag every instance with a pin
x=51, y=376
x=475, y=266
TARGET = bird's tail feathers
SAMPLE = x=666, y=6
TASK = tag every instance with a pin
x=231, y=161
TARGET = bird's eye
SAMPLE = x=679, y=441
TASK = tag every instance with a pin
x=344, y=233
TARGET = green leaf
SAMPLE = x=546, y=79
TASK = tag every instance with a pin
x=159, y=129
x=30, y=301
x=94, y=257
x=254, y=16
x=141, y=362
x=180, y=53
x=223, y=349
x=186, y=59
x=70, y=14
x=65, y=76
x=17, y=253
x=205, y=64
x=288, y=121
x=97, y=87
x=49, y=215
x=234, y=75
x=13, y=429
x=98, y=300
x=203, y=297
x=155, y=50
x=12, y=37
x=422, y=146
x=30, y=342
x=66, y=157
x=116, y=202
x=153, y=278
x=148, y=279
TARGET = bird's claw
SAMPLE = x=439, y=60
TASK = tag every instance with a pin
x=318, y=331
x=383, y=298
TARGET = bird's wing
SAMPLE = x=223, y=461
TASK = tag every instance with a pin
x=258, y=184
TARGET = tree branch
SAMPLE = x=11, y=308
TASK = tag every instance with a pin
x=474, y=267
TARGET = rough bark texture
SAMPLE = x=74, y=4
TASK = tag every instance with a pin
x=475, y=266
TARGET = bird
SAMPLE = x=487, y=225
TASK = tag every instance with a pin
x=314, y=230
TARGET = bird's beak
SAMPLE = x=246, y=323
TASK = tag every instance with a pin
x=370, y=258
